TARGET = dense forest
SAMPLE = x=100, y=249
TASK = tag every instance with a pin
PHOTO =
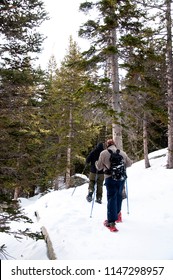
x=121, y=87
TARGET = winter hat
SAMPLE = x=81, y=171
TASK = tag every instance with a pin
x=110, y=142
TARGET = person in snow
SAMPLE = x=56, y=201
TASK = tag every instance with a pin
x=114, y=187
x=95, y=177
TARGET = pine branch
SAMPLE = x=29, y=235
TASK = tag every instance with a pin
x=4, y=253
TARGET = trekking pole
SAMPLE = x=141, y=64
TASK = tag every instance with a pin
x=82, y=173
x=127, y=198
x=73, y=191
x=95, y=189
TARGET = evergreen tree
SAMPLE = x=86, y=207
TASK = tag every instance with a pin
x=66, y=112
x=144, y=90
x=20, y=92
x=116, y=27
x=162, y=20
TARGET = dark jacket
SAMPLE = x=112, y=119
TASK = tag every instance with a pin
x=93, y=157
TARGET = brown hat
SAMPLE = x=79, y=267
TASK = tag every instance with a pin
x=110, y=142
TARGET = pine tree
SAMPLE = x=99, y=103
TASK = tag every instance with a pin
x=20, y=92
x=117, y=22
x=66, y=112
x=145, y=87
x=163, y=18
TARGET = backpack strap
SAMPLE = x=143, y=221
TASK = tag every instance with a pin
x=111, y=152
x=108, y=171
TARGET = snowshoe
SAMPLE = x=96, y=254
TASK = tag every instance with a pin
x=89, y=197
x=99, y=200
x=119, y=220
x=110, y=226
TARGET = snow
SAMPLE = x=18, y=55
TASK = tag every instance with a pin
x=77, y=232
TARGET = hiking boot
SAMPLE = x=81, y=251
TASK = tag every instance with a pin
x=99, y=200
x=89, y=197
x=119, y=218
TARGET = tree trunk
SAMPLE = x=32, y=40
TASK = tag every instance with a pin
x=16, y=193
x=145, y=142
x=17, y=188
x=68, y=169
x=170, y=85
x=116, y=126
x=55, y=184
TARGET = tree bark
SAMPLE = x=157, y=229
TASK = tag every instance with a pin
x=116, y=126
x=17, y=188
x=68, y=169
x=16, y=193
x=145, y=142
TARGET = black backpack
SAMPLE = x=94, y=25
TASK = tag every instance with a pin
x=117, y=168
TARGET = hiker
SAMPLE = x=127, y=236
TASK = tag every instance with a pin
x=114, y=187
x=96, y=178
